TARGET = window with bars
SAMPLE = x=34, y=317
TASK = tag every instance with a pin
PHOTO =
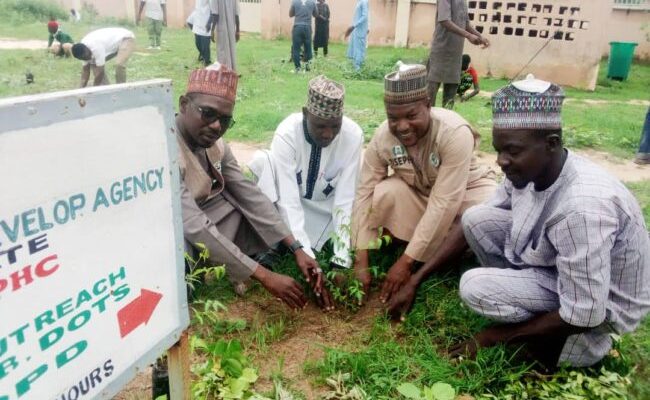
x=632, y=4
x=251, y=1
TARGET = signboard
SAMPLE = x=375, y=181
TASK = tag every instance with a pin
x=91, y=244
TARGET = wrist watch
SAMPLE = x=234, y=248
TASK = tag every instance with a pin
x=295, y=246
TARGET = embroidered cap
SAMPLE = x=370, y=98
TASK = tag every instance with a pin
x=215, y=80
x=528, y=104
x=406, y=85
x=325, y=98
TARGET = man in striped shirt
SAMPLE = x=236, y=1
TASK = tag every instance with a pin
x=563, y=247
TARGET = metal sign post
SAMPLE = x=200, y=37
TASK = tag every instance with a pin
x=92, y=285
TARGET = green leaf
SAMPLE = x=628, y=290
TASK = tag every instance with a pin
x=409, y=391
x=443, y=391
x=249, y=375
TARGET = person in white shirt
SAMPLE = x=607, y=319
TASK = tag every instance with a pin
x=101, y=45
x=156, y=13
x=311, y=171
x=198, y=21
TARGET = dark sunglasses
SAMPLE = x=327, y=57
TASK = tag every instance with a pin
x=209, y=115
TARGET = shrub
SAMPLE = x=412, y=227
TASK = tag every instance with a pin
x=33, y=9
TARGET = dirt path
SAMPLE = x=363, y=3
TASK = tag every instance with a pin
x=625, y=170
x=18, y=44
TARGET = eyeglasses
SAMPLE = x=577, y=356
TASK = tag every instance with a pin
x=209, y=115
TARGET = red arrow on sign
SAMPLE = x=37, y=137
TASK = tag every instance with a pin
x=138, y=311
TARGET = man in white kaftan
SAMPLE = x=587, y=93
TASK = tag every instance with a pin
x=311, y=171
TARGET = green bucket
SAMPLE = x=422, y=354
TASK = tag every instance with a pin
x=620, y=60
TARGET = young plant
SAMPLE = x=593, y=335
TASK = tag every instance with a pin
x=437, y=391
x=225, y=374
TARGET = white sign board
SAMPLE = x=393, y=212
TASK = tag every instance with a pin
x=91, y=247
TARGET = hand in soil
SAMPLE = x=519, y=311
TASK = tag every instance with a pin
x=470, y=347
x=311, y=270
x=398, y=275
x=401, y=302
x=325, y=301
x=285, y=289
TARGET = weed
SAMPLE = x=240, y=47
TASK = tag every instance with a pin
x=225, y=374
x=199, y=268
x=437, y=391
x=27, y=10
x=340, y=390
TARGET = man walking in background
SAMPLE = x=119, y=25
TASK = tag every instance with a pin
x=225, y=20
x=445, y=58
x=302, y=11
x=198, y=22
x=359, y=32
x=156, y=13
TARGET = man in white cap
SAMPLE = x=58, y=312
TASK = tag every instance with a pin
x=563, y=247
x=436, y=178
x=311, y=171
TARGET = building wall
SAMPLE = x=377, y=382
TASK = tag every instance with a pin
x=629, y=26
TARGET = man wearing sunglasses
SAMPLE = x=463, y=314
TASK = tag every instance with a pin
x=223, y=210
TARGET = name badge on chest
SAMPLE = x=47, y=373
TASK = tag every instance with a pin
x=217, y=166
x=435, y=160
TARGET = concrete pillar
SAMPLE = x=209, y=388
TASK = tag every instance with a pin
x=402, y=20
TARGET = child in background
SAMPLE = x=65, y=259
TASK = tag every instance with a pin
x=59, y=43
x=468, y=78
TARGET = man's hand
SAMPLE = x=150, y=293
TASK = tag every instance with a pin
x=237, y=36
x=473, y=39
x=349, y=31
x=325, y=301
x=470, y=347
x=484, y=43
x=397, y=276
x=311, y=270
x=401, y=302
x=282, y=287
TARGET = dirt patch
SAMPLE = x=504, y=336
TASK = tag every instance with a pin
x=307, y=334
x=625, y=170
x=138, y=389
x=16, y=44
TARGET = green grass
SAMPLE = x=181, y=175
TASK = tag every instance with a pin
x=269, y=91
x=384, y=355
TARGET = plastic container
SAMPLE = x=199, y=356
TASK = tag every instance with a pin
x=620, y=60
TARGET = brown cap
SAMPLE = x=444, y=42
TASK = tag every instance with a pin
x=325, y=98
x=215, y=80
x=406, y=85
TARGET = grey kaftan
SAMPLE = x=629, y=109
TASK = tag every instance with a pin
x=227, y=10
x=446, y=54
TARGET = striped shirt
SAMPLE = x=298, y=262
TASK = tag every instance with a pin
x=590, y=227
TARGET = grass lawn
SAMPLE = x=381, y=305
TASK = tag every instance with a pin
x=299, y=351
